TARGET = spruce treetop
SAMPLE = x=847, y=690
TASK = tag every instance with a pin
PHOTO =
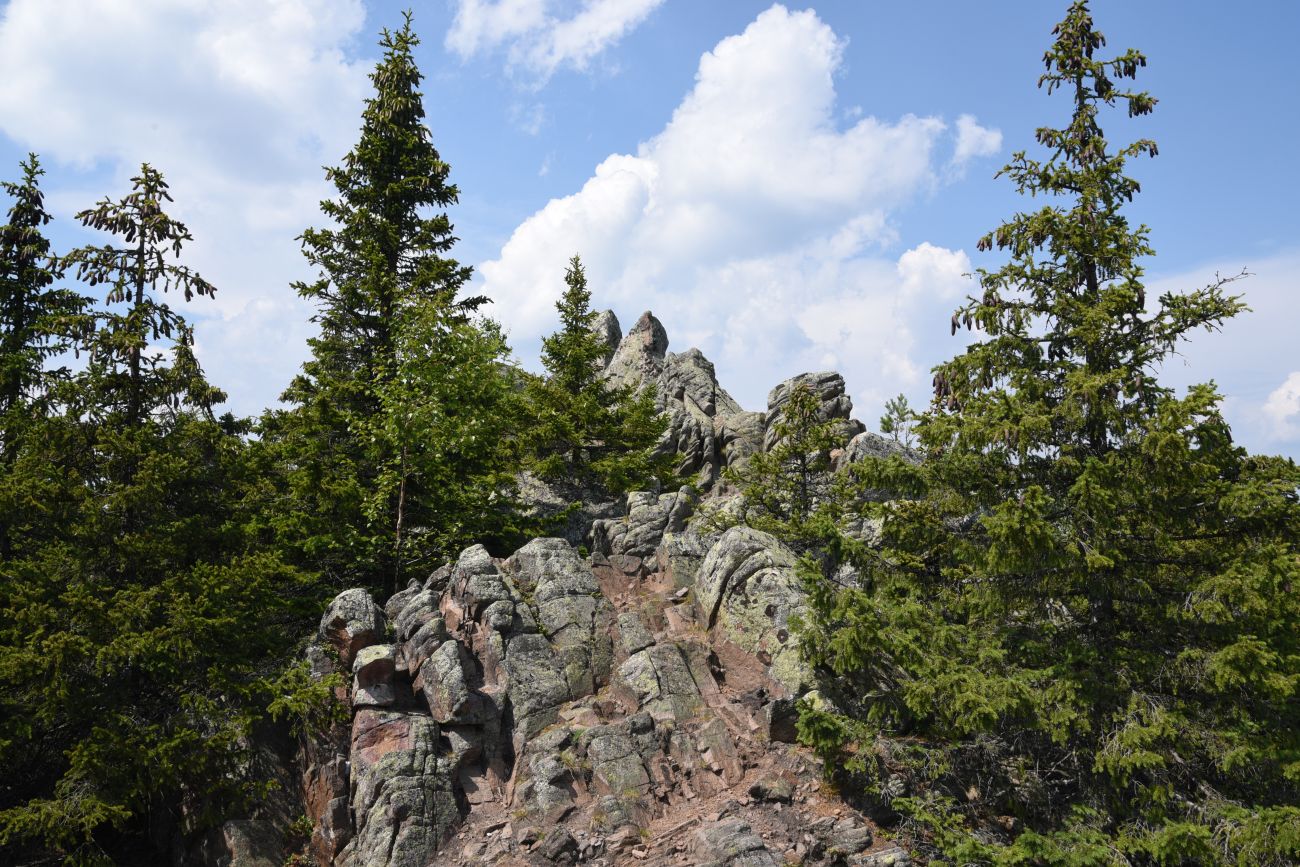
x=1071, y=347
x=132, y=381
x=37, y=322
x=385, y=251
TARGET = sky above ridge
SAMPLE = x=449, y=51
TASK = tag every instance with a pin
x=788, y=187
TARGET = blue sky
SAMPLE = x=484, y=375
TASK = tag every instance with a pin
x=788, y=187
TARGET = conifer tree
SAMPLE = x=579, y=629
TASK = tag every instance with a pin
x=789, y=490
x=586, y=431
x=452, y=416
x=37, y=320
x=129, y=382
x=142, y=625
x=1081, y=617
x=384, y=256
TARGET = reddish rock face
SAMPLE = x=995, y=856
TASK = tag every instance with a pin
x=376, y=733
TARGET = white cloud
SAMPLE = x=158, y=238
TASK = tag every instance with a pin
x=1248, y=355
x=973, y=141
x=1282, y=408
x=539, y=36
x=753, y=224
x=237, y=102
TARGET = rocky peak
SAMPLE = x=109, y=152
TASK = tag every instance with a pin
x=610, y=333
x=639, y=358
x=634, y=705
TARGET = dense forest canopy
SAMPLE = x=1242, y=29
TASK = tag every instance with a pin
x=1059, y=625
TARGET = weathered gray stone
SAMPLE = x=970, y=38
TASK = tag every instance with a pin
x=747, y=587
x=632, y=633
x=444, y=682
x=352, y=621
x=649, y=517
x=741, y=437
x=872, y=445
x=401, y=791
x=772, y=788
x=639, y=358
x=848, y=837
x=372, y=676
x=616, y=765
x=731, y=843
x=572, y=613
x=661, y=680
x=689, y=376
x=559, y=847
x=242, y=843
x=835, y=404
x=537, y=684
x=398, y=600
x=610, y=333
x=718, y=750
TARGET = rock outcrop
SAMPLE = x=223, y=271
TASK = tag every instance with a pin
x=835, y=404
x=634, y=705
x=707, y=428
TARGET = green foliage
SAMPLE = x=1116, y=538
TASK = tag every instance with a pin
x=1080, y=610
x=898, y=420
x=788, y=490
x=37, y=320
x=342, y=452
x=140, y=627
x=128, y=380
x=586, y=431
x=451, y=418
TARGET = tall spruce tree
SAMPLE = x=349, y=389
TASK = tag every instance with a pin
x=385, y=255
x=1078, y=639
x=586, y=431
x=37, y=320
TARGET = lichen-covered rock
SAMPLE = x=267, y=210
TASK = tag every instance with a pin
x=689, y=376
x=872, y=445
x=848, y=836
x=444, y=683
x=835, y=404
x=741, y=436
x=402, y=791
x=639, y=358
x=616, y=765
x=574, y=615
x=352, y=621
x=606, y=327
x=632, y=634
x=649, y=517
x=748, y=589
x=661, y=679
x=731, y=843
x=372, y=676
x=537, y=684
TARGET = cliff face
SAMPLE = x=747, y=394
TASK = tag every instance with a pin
x=634, y=705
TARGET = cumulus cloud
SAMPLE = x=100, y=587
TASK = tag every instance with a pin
x=1282, y=408
x=755, y=224
x=237, y=102
x=973, y=141
x=542, y=36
